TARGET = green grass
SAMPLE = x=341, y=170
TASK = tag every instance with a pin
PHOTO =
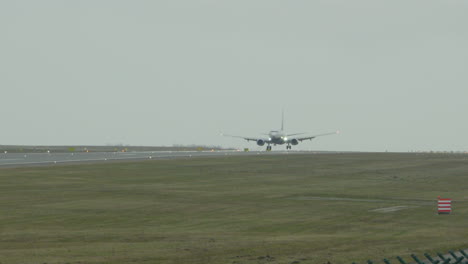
x=249, y=209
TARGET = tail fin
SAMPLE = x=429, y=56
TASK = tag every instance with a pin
x=282, y=120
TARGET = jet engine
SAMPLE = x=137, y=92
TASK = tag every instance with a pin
x=294, y=141
x=260, y=142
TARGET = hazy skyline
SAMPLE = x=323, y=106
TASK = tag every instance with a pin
x=390, y=75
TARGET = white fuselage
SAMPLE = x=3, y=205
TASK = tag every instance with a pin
x=277, y=137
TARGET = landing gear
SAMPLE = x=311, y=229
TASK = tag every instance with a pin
x=288, y=147
x=268, y=148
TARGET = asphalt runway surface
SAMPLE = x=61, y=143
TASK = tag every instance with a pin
x=13, y=160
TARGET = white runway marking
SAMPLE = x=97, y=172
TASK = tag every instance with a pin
x=392, y=209
x=318, y=198
x=337, y=199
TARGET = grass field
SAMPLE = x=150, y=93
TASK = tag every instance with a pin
x=252, y=209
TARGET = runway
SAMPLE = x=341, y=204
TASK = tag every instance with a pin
x=13, y=160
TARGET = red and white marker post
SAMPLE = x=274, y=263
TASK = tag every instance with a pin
x=444, y=205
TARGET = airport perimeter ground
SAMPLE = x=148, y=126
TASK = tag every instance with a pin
x=245, y=209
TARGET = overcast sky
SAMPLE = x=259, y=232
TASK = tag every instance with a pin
x=390, y=75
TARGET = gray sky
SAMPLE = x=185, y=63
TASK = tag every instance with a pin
x=390, y=75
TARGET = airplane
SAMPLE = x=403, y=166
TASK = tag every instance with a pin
x=279, y=137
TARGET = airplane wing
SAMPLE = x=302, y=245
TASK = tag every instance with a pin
x=295, y=134
x=246, y=138
x=319, y=135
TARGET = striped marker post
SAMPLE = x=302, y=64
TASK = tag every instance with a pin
x=444, y=206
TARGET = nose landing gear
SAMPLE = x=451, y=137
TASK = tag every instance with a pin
x=288, y=147
x=268, y=148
